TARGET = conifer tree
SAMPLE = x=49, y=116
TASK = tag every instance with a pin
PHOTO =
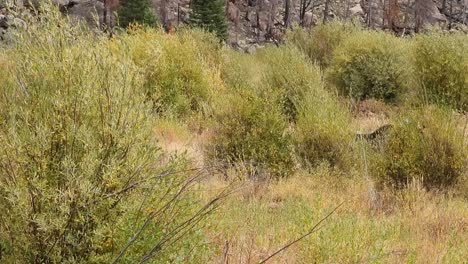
x=210, y=15
x=136, y=11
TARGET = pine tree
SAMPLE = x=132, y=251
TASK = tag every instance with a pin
x=136, y=11
x=210, y=15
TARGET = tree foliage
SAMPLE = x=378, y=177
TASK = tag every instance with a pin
x=136, y=11
x=210, y=15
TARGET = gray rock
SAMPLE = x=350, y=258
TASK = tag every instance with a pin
x=356, y=10
x=308, y=19
x=3, y=21
x=91, y=11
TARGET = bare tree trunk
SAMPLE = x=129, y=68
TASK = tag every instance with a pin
x=326, y=10
x=178, y=13
x=346, y=14
x=465, y=11
x=105, y=14
x=271, y=20
x=451, y=13
x=164, y=16
x=391, y=14
x=370, y=12
x=258, y=22
x=303, y=6
x=287, y=13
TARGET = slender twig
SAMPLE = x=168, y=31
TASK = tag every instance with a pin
x=148, y=220
x=312, y=230
x=226, y=252
x=186, y=226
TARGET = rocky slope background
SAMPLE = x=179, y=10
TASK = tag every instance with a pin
x=258, y=21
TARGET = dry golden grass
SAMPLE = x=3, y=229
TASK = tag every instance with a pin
x=413, y=226
x=370, y=115
x=177, y=138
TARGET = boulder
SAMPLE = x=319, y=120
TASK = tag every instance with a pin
x=263, y=19
x=308, y=19
x=428, y=13
x=356, y=10
x=3, y=21
x=91, y=11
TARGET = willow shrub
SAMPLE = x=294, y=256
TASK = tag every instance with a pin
x=319, y=42
x=181, y=70
x=322, y=133
x=441, y=68
x=425, y=145
x=75, y=138
x=370, y=64
x=279, y=74
x=290, y=76
x=253, y=131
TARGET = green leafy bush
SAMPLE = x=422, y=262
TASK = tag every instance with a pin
x=441, y=68
x=251, y=130
x=181, y=71
x=322, y=132
x=370, y=65
x=279, y=74
x=289, y=77
x=424, y=145
x=320, y=42
x=78, y=154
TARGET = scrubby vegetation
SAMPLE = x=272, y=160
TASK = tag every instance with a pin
x=99, y=137
x=441, y=66
x=370, y=65
x=425, y=145
x=319, y=43
x=322, y=132
x=252, y=130
x=181, y=72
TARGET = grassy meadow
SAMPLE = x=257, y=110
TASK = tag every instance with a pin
x=174, y=148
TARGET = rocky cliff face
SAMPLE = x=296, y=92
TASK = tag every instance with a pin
x=254, y=21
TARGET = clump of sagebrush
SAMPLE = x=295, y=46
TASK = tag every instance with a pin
x=282, y=75
x=320, y=42
x=78, y=151
x=322, y=132
x=441, y=67
x=181, y=70
x=370, y=64
x=251, y=130
x=425, y=145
